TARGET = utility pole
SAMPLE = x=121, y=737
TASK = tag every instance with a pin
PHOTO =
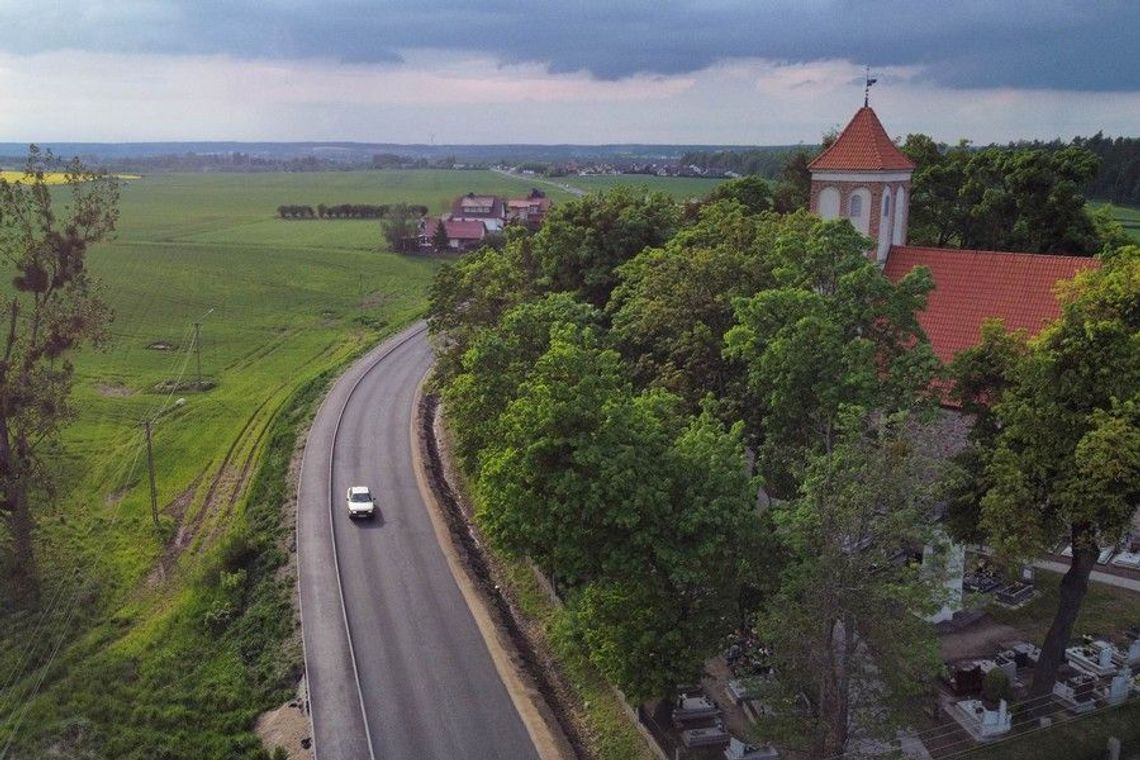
x=150, y=466
x=198, y=352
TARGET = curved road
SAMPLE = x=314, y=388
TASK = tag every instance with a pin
x=401, y=670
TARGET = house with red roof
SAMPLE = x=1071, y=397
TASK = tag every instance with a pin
x=864, y=177
x=529, y=211
x=487, y=209
x=462, y=234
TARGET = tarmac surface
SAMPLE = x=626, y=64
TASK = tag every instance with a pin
x=401, y=670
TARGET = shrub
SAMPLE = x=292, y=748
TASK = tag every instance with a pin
x=996, y=686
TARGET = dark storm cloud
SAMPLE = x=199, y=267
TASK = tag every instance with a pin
x=1057, y=44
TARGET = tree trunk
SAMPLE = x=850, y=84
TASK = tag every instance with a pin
x=1074, y=586
x=25, y=581
x=24, y=576
x=833, y=703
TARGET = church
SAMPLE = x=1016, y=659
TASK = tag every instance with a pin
x=864, y=177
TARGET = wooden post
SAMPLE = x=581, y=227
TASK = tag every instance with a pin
x=150, y=467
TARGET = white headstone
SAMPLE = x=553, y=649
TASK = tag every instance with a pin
x=1120, y=686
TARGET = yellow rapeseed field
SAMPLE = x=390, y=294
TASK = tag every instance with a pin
x=51, y=178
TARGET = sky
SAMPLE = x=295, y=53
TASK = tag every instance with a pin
x=750, y=72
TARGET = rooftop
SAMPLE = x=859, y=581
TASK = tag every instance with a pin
x=863, y=146
x=972, y=286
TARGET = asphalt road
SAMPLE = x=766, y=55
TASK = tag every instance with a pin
x=427, y=685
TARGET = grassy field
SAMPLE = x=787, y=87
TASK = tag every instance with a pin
x=1106, y=610
x=175, y=638
x=680, y=188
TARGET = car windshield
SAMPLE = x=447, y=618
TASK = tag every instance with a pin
x=362, y=496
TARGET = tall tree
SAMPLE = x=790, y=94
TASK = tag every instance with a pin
x=473, y=293
x=833, y=333
x=846, y=622
x=753, y=193
x=1004, y=199
x=674, y=304
x=439, y=240
x=793, y=191
x=1065, y=460
x=52, y=309
x=498, y=361
x=400, y=227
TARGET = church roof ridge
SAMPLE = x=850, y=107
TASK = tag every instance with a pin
x=863, y=145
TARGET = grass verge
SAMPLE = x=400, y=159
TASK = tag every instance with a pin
x=190, y=681
x=1106, y=611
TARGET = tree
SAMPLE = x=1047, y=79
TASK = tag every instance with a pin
x=401, y=227
x=833, y=333
x=52, y=310
x=1004, y=199
x=640, y=517
x=439, y=240
x=1065, y=460
x=674, y=304
x=845, y=625
x=753, y=193
x=498, y=361
x=793, y=191
x=582, y=242
x=473, y=293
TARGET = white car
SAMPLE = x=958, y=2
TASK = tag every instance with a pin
x=360, y=502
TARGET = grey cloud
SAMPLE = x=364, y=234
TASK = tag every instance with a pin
x=1064, y=44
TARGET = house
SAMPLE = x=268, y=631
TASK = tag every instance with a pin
x=865, y=178
x=462, y=235
x=529, y=211
x=488, y=209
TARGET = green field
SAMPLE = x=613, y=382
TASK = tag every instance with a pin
x=1130, y=218
x=679, y=188
x=135, y=642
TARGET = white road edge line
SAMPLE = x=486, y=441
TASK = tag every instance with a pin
x=332, y=537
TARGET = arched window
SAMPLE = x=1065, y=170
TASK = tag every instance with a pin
x=855, y=206
x=829, y=203
x=887, y=203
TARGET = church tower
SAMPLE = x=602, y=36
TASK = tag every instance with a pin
x=864, y=177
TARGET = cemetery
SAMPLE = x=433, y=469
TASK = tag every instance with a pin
x=979, y=700
x=987, y=699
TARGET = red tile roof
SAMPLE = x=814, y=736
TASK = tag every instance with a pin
x=972, y=286
x=862, y=146
x=456, y=229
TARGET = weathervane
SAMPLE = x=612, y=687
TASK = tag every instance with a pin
x=867, y=88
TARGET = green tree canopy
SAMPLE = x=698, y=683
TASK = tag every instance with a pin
x=833, y=333
x=675, y=303
x=847, y=619
x=582, y=242
x=1062, y=461
x=1003, y=199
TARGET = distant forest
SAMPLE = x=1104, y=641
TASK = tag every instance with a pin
x=759, y=162
x=1117, y=180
